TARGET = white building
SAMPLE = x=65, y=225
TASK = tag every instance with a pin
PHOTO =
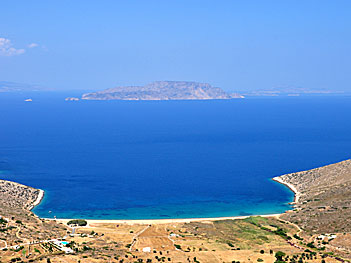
x=147, y=249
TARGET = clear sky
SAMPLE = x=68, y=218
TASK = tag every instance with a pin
x=236, y=45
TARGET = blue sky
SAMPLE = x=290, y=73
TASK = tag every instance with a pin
x=236, y=45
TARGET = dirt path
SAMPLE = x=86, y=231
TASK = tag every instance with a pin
x=135, y=238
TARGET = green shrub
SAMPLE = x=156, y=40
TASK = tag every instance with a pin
x=230, y=244
x=177, y=246
x=79, y=222
x=279, y=255
x=311, y=245
x=298, y=237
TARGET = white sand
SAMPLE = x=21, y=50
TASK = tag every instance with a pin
x=160, y=221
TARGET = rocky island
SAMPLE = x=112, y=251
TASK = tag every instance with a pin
x=163, y=90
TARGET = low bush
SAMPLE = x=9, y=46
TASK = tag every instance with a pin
x=79, y=222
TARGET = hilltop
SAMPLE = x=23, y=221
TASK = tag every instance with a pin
x=162, y=90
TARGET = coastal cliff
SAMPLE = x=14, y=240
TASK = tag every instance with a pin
x=323, y=198
x=163, y=90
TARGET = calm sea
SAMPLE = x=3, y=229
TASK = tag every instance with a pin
x=167, y=159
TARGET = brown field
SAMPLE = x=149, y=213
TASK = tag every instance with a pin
x=253, y=239
x=219, y=241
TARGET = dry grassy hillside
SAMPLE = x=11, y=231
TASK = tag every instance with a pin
x=325, y=198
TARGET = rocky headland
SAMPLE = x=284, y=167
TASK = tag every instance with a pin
x=15, y=195
x=323, y=203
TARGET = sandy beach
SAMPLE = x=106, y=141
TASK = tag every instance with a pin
x=159, y=221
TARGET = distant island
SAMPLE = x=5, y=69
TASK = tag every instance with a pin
x=6, y=86
x=71, y=99
x=292, y=92
x=163, y=90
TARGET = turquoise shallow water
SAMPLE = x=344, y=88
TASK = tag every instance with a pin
x=172, y=159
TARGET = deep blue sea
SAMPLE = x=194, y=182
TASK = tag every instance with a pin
x=167, y=159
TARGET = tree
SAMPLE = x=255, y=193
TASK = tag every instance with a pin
x=79, y=222
x=279, y=255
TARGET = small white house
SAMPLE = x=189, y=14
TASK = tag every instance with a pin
x=326, y=236
x=147, y=249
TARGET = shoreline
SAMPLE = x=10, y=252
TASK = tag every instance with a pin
x=168, y=220
x=297, y=194
x=38, y=200
x=158, y=221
